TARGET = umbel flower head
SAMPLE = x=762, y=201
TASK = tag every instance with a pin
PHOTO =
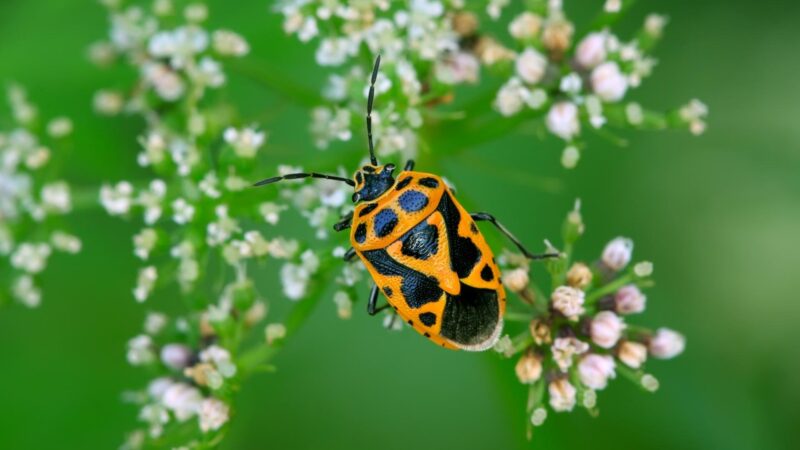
x=578, y=338
x=31, y=200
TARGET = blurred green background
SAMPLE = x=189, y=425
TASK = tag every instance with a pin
x=719, y=215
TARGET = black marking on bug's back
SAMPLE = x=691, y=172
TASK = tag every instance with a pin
x=388, y=291
x=473, y=228
x=403, y=183
x=359, y=178
x=368, y=169
x=384, y=222
x=428, y=319
x=486, y=273
x=361, y=233
x=417, y=288
x=464, y=254
x=432, y=183
x=413, y=201
x=421, y=242
x=368, y=208
x=470, y=317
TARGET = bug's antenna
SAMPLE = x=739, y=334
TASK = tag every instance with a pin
x=370, y=99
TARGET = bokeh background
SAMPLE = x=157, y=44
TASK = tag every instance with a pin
x=719, y=215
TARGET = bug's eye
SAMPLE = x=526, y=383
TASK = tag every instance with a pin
x=388, y=168
x=356, y=197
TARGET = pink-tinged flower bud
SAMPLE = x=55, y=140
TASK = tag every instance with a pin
x=531, y=66
x=667, y=344
x=568, y=301
x=176, y=356
x=529, y=368
x=579, y=275
x=595, y=370
x=562, y=395
x=591, y=51
x=629, y=300
x=608, y=82
x=633, y=354
x=606, y=329
x=516, y=280
x=562, y=120
x=213, y=415
x=617, y=253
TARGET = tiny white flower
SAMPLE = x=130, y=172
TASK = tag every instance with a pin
x=209, y=185
x=667, y=344
x=154, y=323
x=511, y=97
x=209, y=73
x=649, y=382
x=56, y=197
x=213, y=415
x=335, y=51
x=154, y=145
x=59, y=127
x=271, y=211
x=562, y=120
x=141, y=350
x=634, y=114
x=591, y=51
x=617, y=253
x=145, y=283
x=595, y=370
x=606, y=329
x=531, y=66
x=144, y=242
x=195, y=12
x=643, y=269
x=229, y=43
x=344, y=305
x=30, y=257
x=274, y=332
x=525, y=26
x=182, y=211
x=117, y=200
x=538, y=417
x=562, y=395
x=654, y=25
x=629, y=300
x=608, y=82
x=612, y=6
x=571, y=84
x=568, y=301
x=516, y=280
x=632, y=354
x=565, y=349
x=183, y=400
x=570, y=157
x=108, y=103
x=504, y=346
x=65, y=242
x=26, y=291
x=166, y=82
x=258, y=245
x=176, y=356
x=151, y=200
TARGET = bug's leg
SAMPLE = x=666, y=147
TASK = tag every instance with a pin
x=482, y=216
x=349, y=255
x=345, y=223
x=373, y=300
x=409, y=165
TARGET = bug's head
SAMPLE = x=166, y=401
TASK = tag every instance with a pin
x=372, y=181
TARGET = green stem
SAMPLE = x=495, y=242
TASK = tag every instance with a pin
x=609, y=288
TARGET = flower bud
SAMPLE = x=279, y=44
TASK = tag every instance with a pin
x=608, y=82
x=176, y=356
x=516, y=280
x=274, y=332
x=633, y=354
x=213, y=415
x=591, y=51
x=562, y=395
x=629, y=300
x=562, y=120
x=667, y=344
x=568, y=301
x=525, y=26
x=617, y=253
x=606, y=329
x=465, y=23
x=557, y=35
x=579, y=276
x=529, y=368
x=650, y=382
x=538, y=417
x=595, y=370
x=541, y=332
x=531, y=66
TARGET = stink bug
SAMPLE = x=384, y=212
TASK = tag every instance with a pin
x=423, y=251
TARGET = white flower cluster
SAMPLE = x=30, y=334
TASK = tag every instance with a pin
x=575, y=84
x=28, y=199
x=580, y=339
x=422, y=44
x=193, y=381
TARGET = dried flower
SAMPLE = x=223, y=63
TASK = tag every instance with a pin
x=579, y=276
x=529, y=368
x=568, y=301
x=562, y=395
x=633, y=354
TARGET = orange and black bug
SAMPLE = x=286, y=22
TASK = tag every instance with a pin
x=423, y=251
